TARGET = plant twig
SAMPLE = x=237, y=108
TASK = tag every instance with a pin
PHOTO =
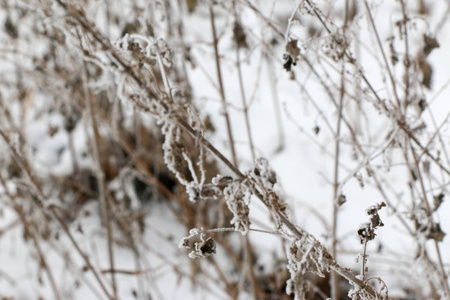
x=104, y=202
x=334, y=279
x=221, y=88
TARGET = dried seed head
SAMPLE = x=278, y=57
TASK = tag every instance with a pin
x=436, y=233
x=239, y=35
x=341, y=199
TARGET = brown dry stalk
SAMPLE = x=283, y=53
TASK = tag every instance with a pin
x=221, y=87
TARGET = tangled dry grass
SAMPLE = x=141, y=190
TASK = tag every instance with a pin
x=125, y=131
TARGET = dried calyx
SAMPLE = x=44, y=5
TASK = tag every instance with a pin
x=201, y=245
x=366, y=231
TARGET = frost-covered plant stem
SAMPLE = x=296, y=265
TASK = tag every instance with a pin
x=364, y=259
x=246, y=242
x=259, y=192
x=394, y=113
x=296, y=231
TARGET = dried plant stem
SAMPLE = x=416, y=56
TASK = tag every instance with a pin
x=81, y=19
x=425, y=151
x=40, y=201
x=335, y=293
x=442, y=269
x=389, y=202
x=386, y=63
x=399, y=120
x=406, y=59
x=334, y=279
x=85, y=257
x=344, y=273
x=427, y=205
x=221, y=87
x=318, y=15
x=244, y=103
x=104, y=201
x=43, y=260
x=29, y=230
x=287, y=38
x=363, y=263
x=223, y=278
x=246, y=242
x=414, y=167
x=247, y=245
x=439, y=136
x=187, y=212
x=249, y=266
x=298, y=233
x=264, y=18
x=370, y=121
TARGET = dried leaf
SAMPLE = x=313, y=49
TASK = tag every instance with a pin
x=239, y=35
x=191, y=5
x=341, y=199
x=131, y=28
x=52, y=130
x=316, y=130
x=427, y=73
x=288, y=62
x=430, y=44
x=438, y=199
x=436, y=233
x=291, y=55
x=11, y=28
x=293, y=50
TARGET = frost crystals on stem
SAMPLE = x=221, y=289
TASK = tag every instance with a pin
x=306, y=255
x=265, y=180
x=237, y=195
x=203, y=247
x=366, y=233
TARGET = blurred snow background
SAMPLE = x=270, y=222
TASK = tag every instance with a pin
x=293, y=124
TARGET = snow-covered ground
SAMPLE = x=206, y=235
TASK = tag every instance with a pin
x=293, y=118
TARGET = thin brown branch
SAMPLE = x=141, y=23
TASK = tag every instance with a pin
x=221, y=88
